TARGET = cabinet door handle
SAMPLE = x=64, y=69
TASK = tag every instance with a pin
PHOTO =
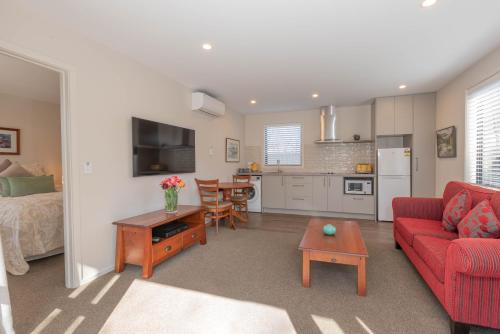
x=329, y=182
x=416, y=164
x=324, y=181
x=282, y=180
x=168, y=248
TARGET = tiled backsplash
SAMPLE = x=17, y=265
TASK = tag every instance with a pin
x=338, y=158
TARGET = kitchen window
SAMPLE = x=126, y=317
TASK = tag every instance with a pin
x=283, y=145
x=483, y=134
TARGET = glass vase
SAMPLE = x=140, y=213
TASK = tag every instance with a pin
x=171, y=200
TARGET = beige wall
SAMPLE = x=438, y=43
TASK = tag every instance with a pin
x=40, y=126
x=351, y=120
x=106, y=90
x=451, y=111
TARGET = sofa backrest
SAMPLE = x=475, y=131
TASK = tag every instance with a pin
x=478, y=194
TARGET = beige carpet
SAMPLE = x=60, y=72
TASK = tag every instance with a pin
x=243, y=281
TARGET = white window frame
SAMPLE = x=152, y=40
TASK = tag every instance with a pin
x=301, y=144
x=467, y=153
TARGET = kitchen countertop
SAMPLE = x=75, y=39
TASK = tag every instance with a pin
x=307, y=173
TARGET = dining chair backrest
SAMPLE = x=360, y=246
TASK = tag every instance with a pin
x=209, y=192
x=241, y=179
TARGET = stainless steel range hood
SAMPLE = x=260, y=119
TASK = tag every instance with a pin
x=328, y=125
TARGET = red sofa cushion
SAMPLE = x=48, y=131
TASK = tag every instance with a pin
x=456, y=209
x=433, y=252
x=478, y=193
x=410, y=227
x=480, y=222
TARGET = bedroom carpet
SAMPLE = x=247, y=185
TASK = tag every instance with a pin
x=243, y=281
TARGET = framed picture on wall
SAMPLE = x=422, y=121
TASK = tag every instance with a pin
x=232, y=150
x=10, y=141
x=447, y=142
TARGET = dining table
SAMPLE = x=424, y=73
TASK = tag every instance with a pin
x=227, y=190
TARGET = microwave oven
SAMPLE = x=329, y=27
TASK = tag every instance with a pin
x=358, y=185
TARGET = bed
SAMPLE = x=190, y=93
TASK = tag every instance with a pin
x=31, y=227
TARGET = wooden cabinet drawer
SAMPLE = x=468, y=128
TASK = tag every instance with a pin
x=298, y=202
x=358, y=204
x=299, y=189
x=298, y=179
x=192, y=236
x=166, y=248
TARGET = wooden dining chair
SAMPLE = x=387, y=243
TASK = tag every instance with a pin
x=209, y=198
x=240, y=196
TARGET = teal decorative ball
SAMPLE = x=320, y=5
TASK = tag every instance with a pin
x=329, y=229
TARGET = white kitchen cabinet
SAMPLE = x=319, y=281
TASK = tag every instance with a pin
x=403, y=115
x=394, y=115
x=335, y=193
x=364, y=204
x=295, y=202
x=320, y=193
x=424, y=145
x=273, y=192
x=384, y=116
x=299, y=192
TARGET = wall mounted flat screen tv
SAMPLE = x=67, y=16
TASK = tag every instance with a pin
x=161, y=148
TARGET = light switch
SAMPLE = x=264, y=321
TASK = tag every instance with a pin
x=87, y=167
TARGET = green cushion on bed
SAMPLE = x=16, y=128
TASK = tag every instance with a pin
x=4, y=187
x=29, y=185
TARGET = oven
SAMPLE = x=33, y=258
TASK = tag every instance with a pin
x=358, y=185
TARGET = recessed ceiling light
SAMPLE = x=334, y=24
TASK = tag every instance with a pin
x=402, y=86
x=207, y=46
x=428, y=3
x=315, y=96
x=253, y=101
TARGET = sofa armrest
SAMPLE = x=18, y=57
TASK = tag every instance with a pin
x=475, y=257
x=472, y=281
x=418, y=207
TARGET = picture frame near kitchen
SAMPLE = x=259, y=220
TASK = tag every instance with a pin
x=10, y=141
x=232, y=150
x=447, y=142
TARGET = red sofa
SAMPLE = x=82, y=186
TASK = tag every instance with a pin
x=464, y=274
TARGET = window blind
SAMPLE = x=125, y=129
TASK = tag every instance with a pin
x=483, y=135
x=283, y=143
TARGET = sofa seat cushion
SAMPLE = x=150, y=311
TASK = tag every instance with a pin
x=433, y=252
x=410, y=227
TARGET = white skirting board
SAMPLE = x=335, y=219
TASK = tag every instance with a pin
x=320, y=214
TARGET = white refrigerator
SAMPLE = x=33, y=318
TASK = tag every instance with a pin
x=394, y=178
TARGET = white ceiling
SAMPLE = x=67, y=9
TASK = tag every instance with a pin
x=21, y=78
x=281, y=51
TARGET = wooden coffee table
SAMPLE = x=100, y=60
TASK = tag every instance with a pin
x=346, y=247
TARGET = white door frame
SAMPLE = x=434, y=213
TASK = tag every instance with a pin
x=72, y=269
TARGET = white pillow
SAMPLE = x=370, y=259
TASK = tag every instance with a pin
x=34, y=168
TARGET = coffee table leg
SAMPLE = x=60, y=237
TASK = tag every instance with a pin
x=306, y=269
x=362, y=277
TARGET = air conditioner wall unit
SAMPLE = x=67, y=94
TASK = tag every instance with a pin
x=203, y=102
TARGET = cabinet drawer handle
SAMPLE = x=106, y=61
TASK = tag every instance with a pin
x=333, y=260
x=298, y=199
x=297, y=185
x=357, y=199
x=297, y=177
x=194, y=235
x=168, y=248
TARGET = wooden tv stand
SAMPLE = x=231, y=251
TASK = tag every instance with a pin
x=134, y=244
